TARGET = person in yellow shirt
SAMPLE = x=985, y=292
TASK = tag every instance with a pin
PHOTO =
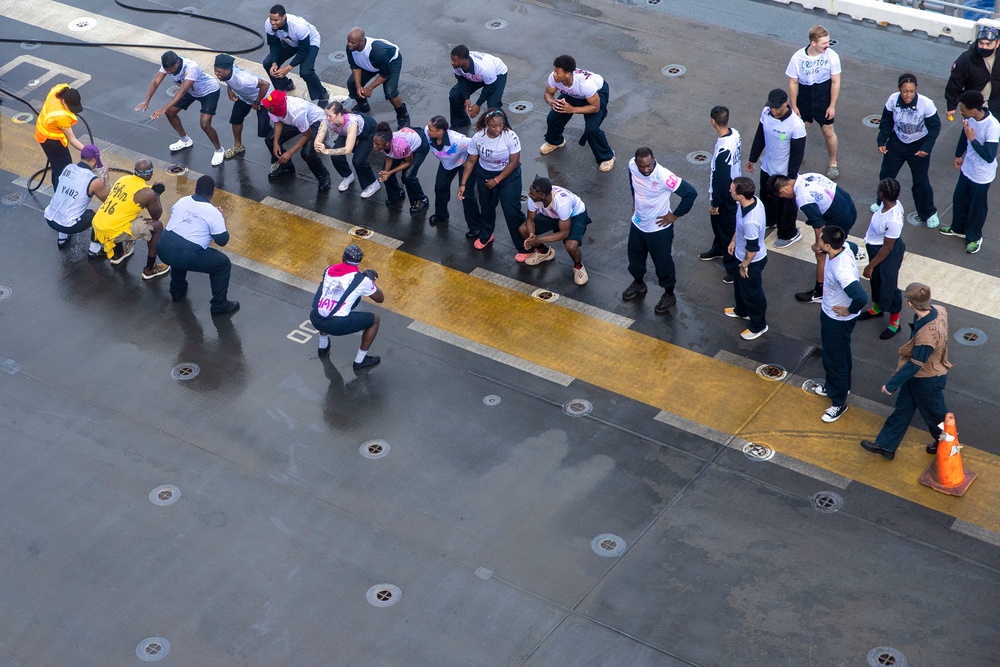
x=53, y=128
x=119, y=222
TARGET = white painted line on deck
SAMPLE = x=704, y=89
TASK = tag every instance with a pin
x=269, y=272
x=381, y=239
x=563, y=301
x=975, y=531
x=954, y=285
x=491, y=353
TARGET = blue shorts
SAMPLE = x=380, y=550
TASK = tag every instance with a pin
x=342, y=326
x=577, y=226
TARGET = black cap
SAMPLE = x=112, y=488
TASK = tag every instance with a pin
x=776, y=98
x=224, y=61
x=353, y=255
x=988, y=32
x=71, y=97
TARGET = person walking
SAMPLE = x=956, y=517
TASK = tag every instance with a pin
x=54, y=128
x=722, y=206
x=68, y=212
x=349, y=133
x=885, y=256
x=494, y=171
x=906, y=134
x=652, y=230
x=294, y=117
x=375, y=62
x=555, y=214
x=976, y=160
x=475, y=71
x=194, y=224
x=748, y=249
x=579, y=92
x=452, y=151
x=921, y=376
x=814, y=88
x=781, y=137
x=291, y=36
x=405, y=150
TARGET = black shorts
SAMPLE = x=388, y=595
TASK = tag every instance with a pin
x=813, y=101
x=209, y=103
x=577, y=226
x=342, y=326
x=241, y=110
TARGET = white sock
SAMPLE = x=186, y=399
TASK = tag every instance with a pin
x=360, y=356
x=95, y=247
x=185, y=138
x=324, y=341
x=220, y=150
x=63, y=237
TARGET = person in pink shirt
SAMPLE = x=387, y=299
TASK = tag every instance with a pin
x=405, y=150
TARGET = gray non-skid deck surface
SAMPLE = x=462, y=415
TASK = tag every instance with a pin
x=483, y=516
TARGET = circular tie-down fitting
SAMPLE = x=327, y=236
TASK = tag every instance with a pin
x=30, y=46
x=608, y=545
x=496, y=24
x=871, y=121
x=189, y=10
x=13, y=199
x=915, y=219
x=971, y=336
x=772, y=372
x=520, y=106
x=886, y=656
x=491, y=401
x=33, y=83
x=22, y=118
x=360, y=232
x=152, y=649
x=827, y=502
x=545, y=296
x=577, y=407
x=374, y=449
x=176, y=170
x=172, y=90
x=809, y=386
x=185, y=371
x=383, y=595
x=82, y=23
x=756, y=452
x=164, y=495
x=653, y=2
x=337, y=56
x=698, y=157
x=5, y=292
x=673, y=70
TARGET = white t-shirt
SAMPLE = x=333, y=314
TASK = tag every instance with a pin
x=810, y=70
x=975, y=168
x=752, y=227
x=732, y=144
x=344, y=128
x=652, y=195
x=244, y=85
x=585, y=84
x=299, y=113
x=887, y=225
x=403, y=143
x=814, y=189
x=494, y=153
x=778, y=135
x=840, y=272
x=204, y=83
x=363, y=58
x=909, y=122
x=333, y=289
x=454, y=153
x=296, y=29
x=196, y=220
x=485, y=68
x=564, y=205
x=71, y=199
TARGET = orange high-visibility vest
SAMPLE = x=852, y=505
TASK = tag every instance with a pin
x=54, y=118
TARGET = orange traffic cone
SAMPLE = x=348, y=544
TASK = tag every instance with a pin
x=946, y=474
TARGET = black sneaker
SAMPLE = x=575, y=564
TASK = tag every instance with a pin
x=875, y=449
x=178, y=296
x=369, y=361
x=635, y=289
x=729, y=279
x=812, y=296
x=435, y=220
x=666, y=302
x=228, y=308
x=325, y=183
x=932, y=448
x=833, y=413
x=392, y=200
x=362, y=107
x=280, y=171
x=323, y=351
x=62, y=243
x=709, y=255
x=123, y=251
x=418, y=206
x=96, y=255
x=402, y=120
x=867, y=315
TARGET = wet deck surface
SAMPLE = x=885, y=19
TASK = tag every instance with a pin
x=484, y=516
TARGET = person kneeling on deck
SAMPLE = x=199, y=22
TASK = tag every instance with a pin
x=341, y=289
x=119, y=222
x=555, y=214
x=194, y=224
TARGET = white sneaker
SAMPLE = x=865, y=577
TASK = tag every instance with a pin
x=218, y=157
x=180, y=144
x=580, y=276
x=346, y=183
x=751, y=335
x=370, y=190
x=933, y=221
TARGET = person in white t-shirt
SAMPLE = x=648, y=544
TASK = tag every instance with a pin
x=652, y=228
x=906, y=134
x=451, y=148
x=291, y=36
x=475, y=71
x=814, y=88
x=351, y=133
x=245, y=90
x=193, y=84
x=184, y=246
x=555, y=214
x=570, y=91
x=976, y=160
x=721, y=206
x=885, y=256
x=750, y=254
x=294, y=117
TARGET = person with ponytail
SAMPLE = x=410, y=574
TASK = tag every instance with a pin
x=885, y=253
x=404, y=150
x=452, y=149
x=54, y=128
x=349, y=133
x=906, y=134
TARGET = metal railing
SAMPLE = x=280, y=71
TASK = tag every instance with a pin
x=948, y=8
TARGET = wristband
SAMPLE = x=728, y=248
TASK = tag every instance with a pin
x=158, y=188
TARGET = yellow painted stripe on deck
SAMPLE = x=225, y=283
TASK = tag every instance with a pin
x=704, y=390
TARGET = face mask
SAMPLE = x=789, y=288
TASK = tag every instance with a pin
x=985, y=53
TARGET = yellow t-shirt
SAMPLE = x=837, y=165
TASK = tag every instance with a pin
x=118, y=211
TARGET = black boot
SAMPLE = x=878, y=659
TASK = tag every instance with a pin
x=402, y=117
